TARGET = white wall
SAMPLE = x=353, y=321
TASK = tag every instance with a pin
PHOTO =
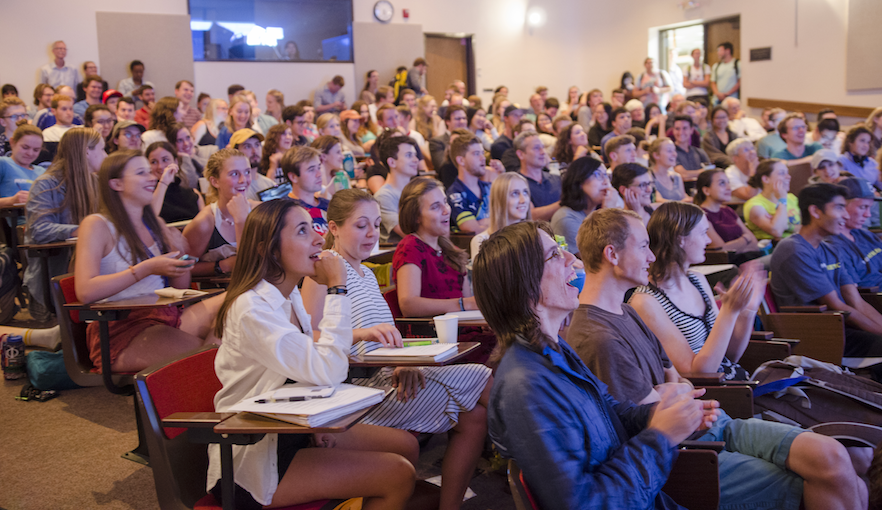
x=588, y=44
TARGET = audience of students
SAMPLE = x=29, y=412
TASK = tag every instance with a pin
x=631, y=223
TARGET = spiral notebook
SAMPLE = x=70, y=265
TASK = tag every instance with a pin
x=347, y=399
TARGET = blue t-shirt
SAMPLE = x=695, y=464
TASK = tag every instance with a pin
x=862, y=258
x=465, y=206
x=545, y=192
x=15, y=178
x=810, y=149
x=318, y=213
x=801, y=273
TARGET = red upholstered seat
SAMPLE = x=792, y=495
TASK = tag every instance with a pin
x=392, y=300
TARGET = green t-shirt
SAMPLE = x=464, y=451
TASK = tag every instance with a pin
x=793, y=217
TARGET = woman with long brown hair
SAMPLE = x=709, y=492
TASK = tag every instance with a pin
x=58, y=201
x=432, y=400
x=125, y=251
x=239, y=117
x=429, y=270
x=368, y=130
x=334, y=178
x=572, y=144
x=164, y=115
x=278, y=140
x=268, y=339
x=426, y=120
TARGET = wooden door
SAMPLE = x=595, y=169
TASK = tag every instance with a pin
x=448, y=61
x=718, y=32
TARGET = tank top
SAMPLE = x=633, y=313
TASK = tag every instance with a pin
x=696, y=329
x=120, y=258
x=219, y=247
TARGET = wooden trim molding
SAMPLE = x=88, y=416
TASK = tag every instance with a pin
x=845, y=111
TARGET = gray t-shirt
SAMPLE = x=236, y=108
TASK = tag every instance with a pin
x=801, y=273
x=725, y=76
x=388, y=198
x=620, y=350
x=566, y=222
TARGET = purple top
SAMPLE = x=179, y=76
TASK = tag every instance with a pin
x=725, y=222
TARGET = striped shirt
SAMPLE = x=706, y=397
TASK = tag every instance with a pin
x=449, y=390
x=694, y=328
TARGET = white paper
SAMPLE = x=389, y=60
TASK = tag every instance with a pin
x=471, y=315
x=418, y=351
x=304, y=391
x=346, y=396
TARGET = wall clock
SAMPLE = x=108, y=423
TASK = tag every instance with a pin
x=384, y=11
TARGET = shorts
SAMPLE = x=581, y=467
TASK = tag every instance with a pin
x=123, y=332
x=753, y=472
x=287, y=447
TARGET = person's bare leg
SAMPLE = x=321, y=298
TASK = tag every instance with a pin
x=154, y=345
x=198, y=319
x=861, y=458
x=829, y=479
x=379, y=439
x=385, y=480
x=464, y=445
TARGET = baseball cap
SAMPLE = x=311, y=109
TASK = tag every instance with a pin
x=824, y=155
x=119, y=126
x=349, y=114
x=857, y=188
x=110, y=93
x=511, y=109
x=242, y=135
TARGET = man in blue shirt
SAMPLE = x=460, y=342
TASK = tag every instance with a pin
x=57, y=73
x=797, y=152
x=330, y=98
x=576, y=445
x=544, y=187
x=469, y=196
x=861, y=251
x=93, y=86
x=807, y=270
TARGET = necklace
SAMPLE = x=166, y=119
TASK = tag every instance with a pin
x=225, y=219
x=437, y=252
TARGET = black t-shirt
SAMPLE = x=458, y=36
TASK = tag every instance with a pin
x=620, y=350
x=181, y=203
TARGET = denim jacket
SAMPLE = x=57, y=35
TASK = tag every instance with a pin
x=576, y=446
x=46, y=195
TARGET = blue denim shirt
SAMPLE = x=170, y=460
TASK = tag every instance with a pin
x=576, y=446
x=46, y=195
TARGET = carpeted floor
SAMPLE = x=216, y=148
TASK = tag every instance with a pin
x=65, y=454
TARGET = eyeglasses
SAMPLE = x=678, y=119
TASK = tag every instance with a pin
x=17, y=117
x=132, y=136
x=105, y=121
x=558, y=253
x=644, y=186
x=599, y=174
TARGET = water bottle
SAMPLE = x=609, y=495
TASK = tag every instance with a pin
x=349, y=164
x=13, y=357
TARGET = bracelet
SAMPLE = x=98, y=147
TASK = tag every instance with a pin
x=132, y=269
x=217, y=268
x=160, y=182
x=461, y=306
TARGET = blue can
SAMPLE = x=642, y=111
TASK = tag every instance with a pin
x=13, y=358
x=349, y=164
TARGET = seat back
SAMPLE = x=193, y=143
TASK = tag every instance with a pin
x=799, y=177
x=522, y=498
x=694, y=481
x=187, y=384
x=73, y=336
x=391, y=297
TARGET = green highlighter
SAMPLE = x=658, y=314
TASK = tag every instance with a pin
x=415, y=343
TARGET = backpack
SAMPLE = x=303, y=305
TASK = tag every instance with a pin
x=803, y=391
x=399, y=83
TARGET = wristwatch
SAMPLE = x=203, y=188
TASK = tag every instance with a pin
x=338, y=289
x=217, y=268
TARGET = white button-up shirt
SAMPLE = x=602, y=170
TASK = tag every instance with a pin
x=262, y=348
x=55, y=76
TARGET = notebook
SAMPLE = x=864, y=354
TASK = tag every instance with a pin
x=419, y=353
x=347, y=399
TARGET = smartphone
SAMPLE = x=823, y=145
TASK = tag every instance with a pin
x=187, y=257
x=280, y=191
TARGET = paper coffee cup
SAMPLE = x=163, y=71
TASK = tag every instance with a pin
x=446, y=328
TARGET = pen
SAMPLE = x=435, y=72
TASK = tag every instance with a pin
x=273, y=400
x=417, y=343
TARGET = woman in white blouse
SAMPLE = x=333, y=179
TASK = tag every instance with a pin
x=268, y=339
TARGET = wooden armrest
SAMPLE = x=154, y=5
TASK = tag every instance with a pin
x=195, y=420
x=762, y=335
x=803, y=309
x=702, y=379
x=716, y=446
x=791, y=341
x=869, y=290
x=851, y=434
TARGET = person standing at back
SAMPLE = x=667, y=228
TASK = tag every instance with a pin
x=57, y=73
x=726, y=75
